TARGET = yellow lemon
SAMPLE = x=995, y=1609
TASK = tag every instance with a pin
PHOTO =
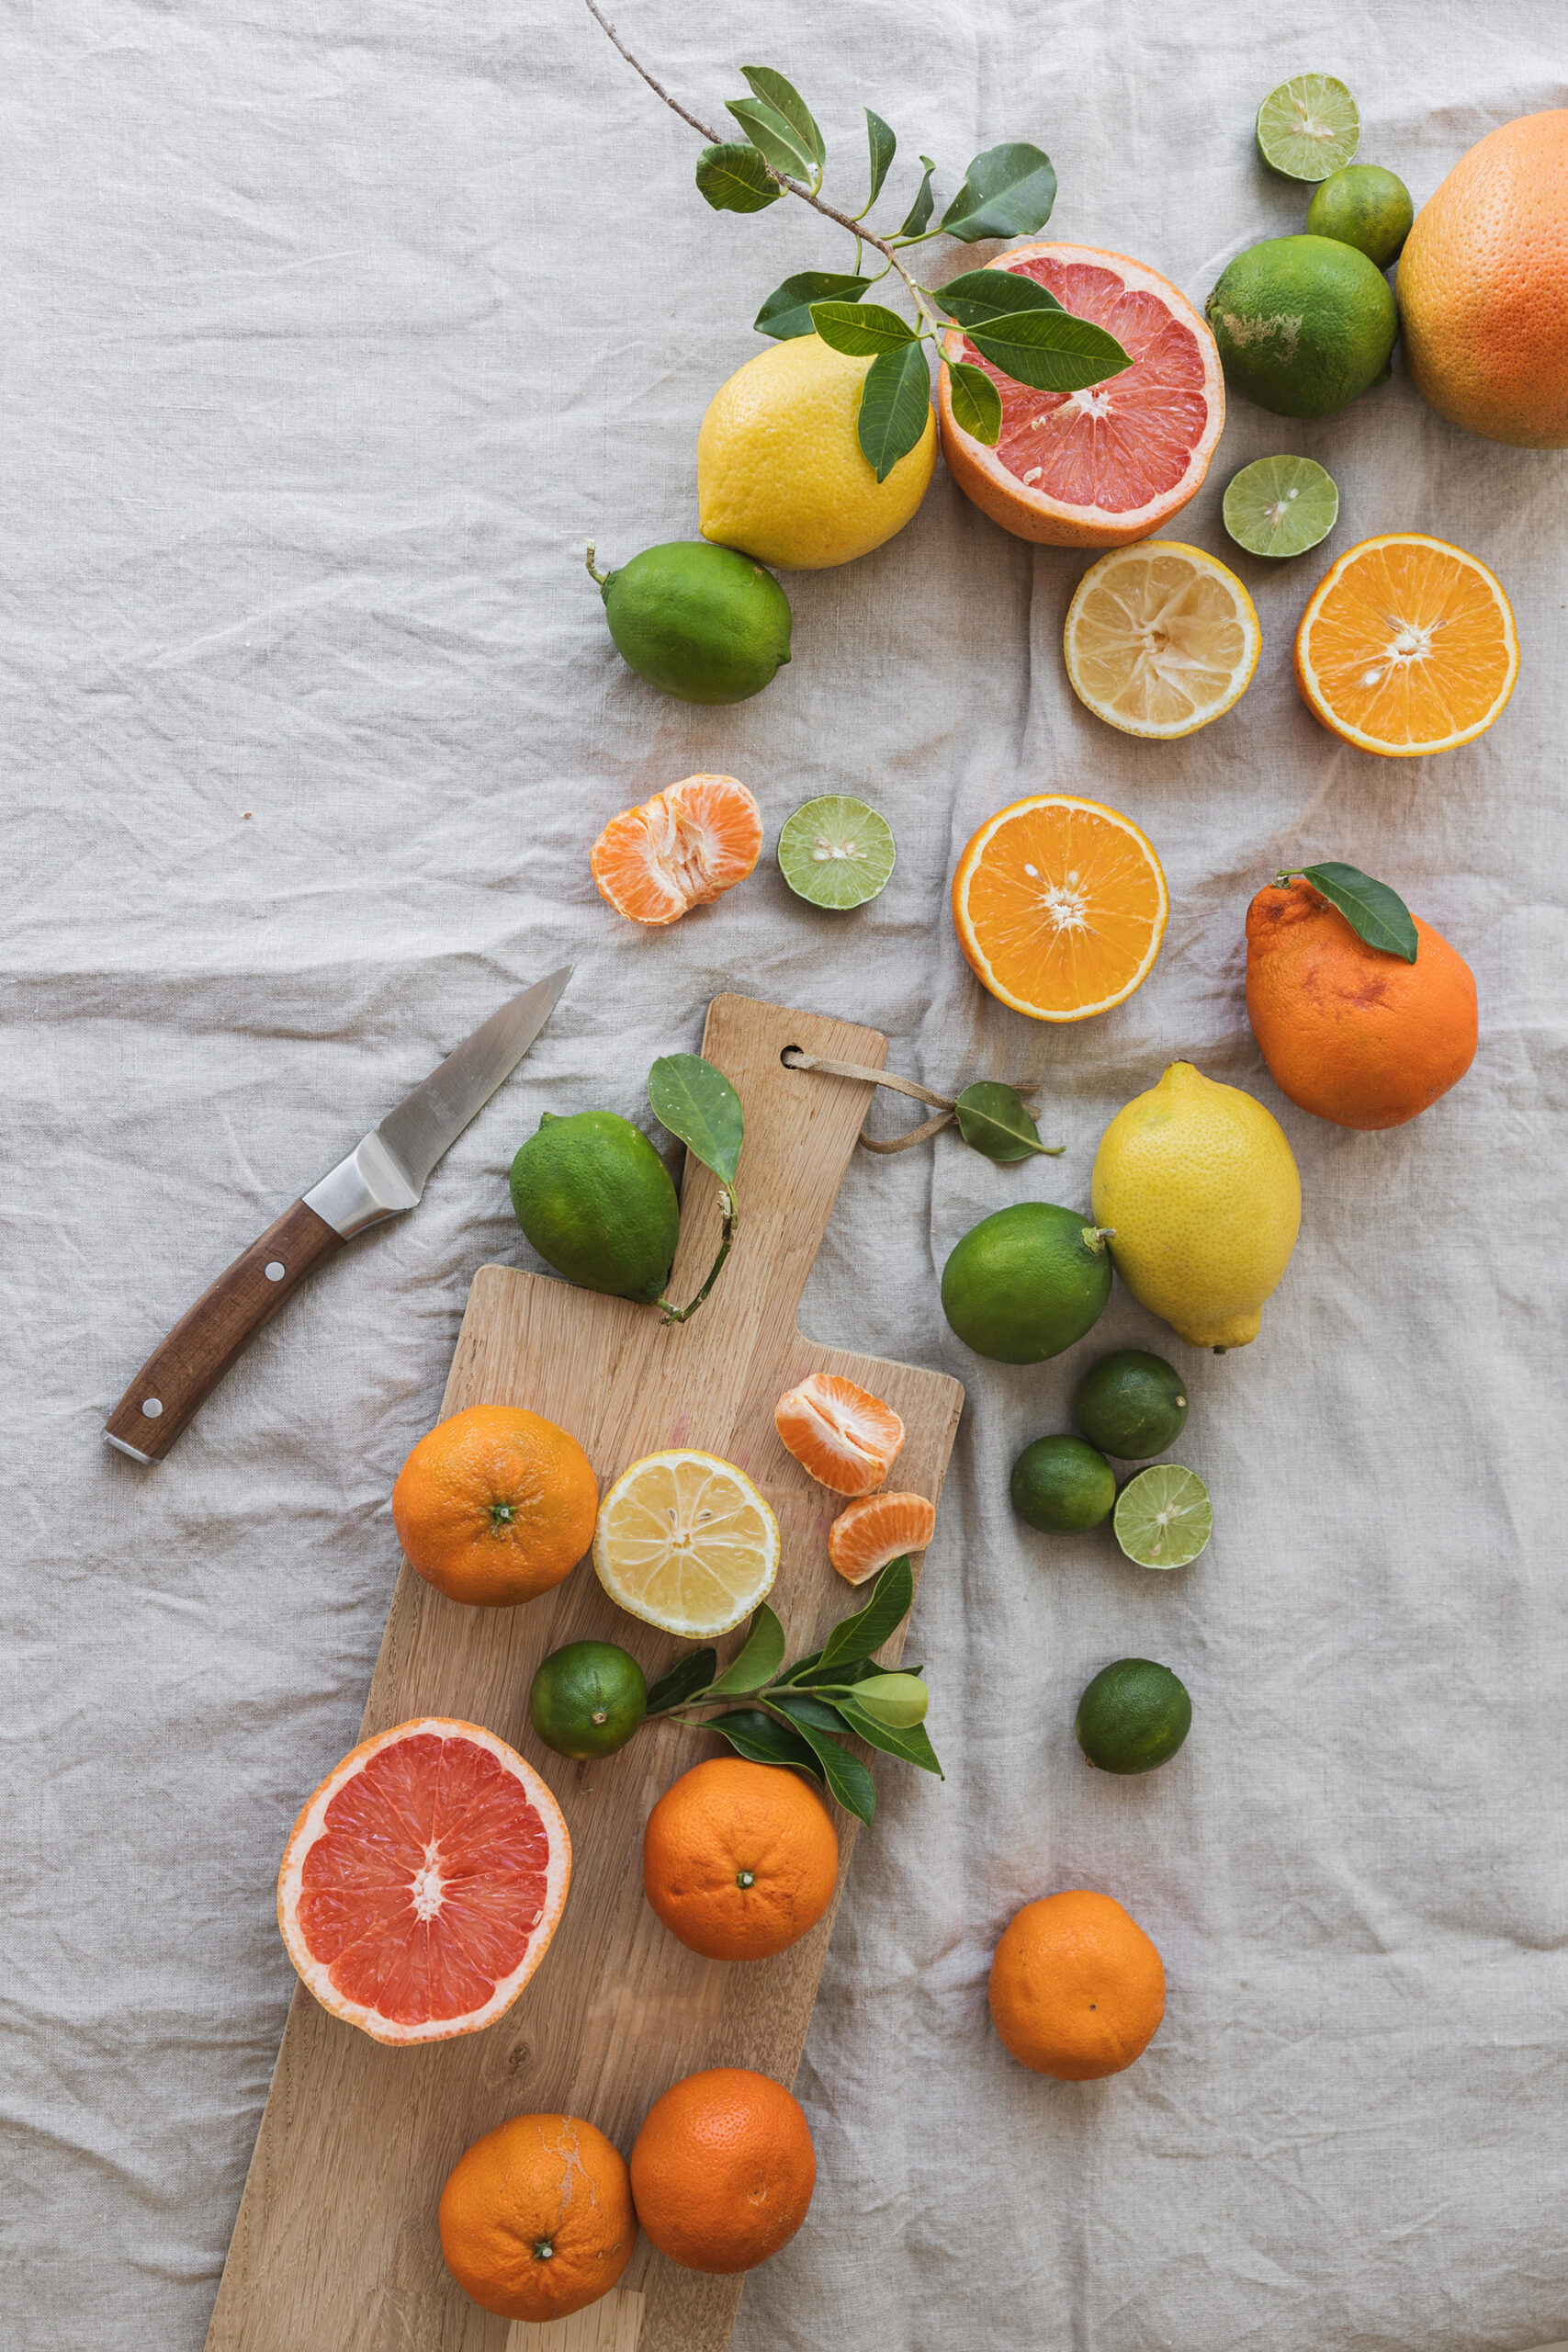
x=1199, y=1190
x=780, y=473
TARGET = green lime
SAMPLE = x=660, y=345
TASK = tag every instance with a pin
x=1281, y=505
x=1303, y=324
x=835, y=852
x=587, y=1700
x=1061, y=1485
x=1163, y=1517
x=596, y=1202
x=1308, y=127
x=702, y=622
x=1131, y=1404
x=1025, y=1283
x=1134, y=1715
x=1365, y=207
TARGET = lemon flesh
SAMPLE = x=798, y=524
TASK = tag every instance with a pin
x=1199, y=1187
x=1160, y=638
x=780, y=472
x=686, y=1543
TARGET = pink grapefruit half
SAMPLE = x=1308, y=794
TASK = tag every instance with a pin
x=1099, y=468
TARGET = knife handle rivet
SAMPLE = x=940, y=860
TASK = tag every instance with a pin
x=275, y=1272
x=153, y=1407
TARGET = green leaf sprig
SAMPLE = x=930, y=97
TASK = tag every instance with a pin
x=798, y=1718
x=702, y=1109
x=1020, y=330
x=1373, y=912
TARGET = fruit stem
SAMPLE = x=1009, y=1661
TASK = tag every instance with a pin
x=1289, y=876
x=727, y=1242
x=1097, y=1235
x=602, y=578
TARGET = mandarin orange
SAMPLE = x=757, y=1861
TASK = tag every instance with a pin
x=537, y=2218
x=1077, y=1989
x=844, y=1436
x=739, y=1860
x=495, y=1506
x=722, y=2170
x=878, y=1529
x=682, y=849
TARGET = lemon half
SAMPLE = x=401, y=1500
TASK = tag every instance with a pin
x=686, y=1543
x=1160, y=638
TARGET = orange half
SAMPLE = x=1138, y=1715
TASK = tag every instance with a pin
x=1406, y=646
x=1060, y=906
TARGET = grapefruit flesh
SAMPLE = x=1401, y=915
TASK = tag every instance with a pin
x=1114, y=462
x=424, y=1880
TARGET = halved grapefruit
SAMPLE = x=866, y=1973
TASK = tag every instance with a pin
x=1102, y=466
x=424, y=1880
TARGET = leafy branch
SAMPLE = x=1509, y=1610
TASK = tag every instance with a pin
x=701, y=1108
x=1020, y=330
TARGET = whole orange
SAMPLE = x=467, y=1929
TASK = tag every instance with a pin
x=739, y=1860
x=1483, y=287
x=537, y=2218
x=1077, y=1988
x=495, y=1506
x=1350, y=1033
x=722, y=2170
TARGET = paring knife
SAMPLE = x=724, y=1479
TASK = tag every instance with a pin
x=380, y=1178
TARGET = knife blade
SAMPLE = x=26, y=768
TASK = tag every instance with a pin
x=385, y=1174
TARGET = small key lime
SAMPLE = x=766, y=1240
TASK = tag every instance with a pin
x=1163, y=1517
x=1026, y=1283
x=1281, y=506
x=1309, y=127
x=1365, y=207
x=1131, y=1404
x=701, y=622
x=1134, y=1717
x=835, y=852
x=1061, y=1485
x=587, y=1700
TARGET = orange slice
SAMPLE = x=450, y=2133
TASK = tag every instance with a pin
x=424, y=1880
x=878, y=1529
x=1406, y=646
x=846, y=1437
x=1060, y=906
x=685, y=846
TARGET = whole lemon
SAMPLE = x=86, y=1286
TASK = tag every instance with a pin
x=780, y=473
x=1199, y=1189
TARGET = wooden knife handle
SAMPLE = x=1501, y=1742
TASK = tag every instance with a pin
x=179, y=1375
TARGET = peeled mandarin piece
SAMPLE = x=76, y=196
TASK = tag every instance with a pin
x=844, y=1436
x=682, y=849
x=879, y=1528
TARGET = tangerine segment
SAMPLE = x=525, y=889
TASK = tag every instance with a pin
x=844, y=1436
x=1160, y=640
x=685, y=846
x=1407, y=646
x=424, y=1880
x=686, y=1543
x=879, y=1528
x=1060, y=906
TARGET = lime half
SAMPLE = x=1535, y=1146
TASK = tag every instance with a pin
x=835, y=852
x=1281, y=505
x=1308, y=127
x=1163, y=1518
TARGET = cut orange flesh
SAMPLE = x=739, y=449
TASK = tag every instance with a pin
x=878, y=1529
x=1060, y=905
x=1406, y=646
x=846, y=1438
x=685, y=846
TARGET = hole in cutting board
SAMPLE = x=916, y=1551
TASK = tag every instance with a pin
x=784, y=1056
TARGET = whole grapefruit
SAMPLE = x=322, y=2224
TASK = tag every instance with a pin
x=1483, y=287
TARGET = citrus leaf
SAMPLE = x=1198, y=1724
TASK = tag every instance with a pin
x=772, y=137
x=734, y=178
x=895, y=402
x=845, y=1774
x=884, y=146
x=981, y=294
x=804, y=1707
x=811, y=1671
x=883, y=1613
x=1373, y=912
x=911, y=1746
x=992, y=1121
x=1006, y=192
x=698, y=1104
x=758, y=1659
x=919, y=212
x=786, y=100
x=763, y=1739
x=977, y=403
x=860, y=329
x=1050, y=350
x=787, y=311
x=684, y=1680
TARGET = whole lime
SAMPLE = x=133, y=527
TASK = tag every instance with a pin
x=596, y=1202
x=1025, y=1283
x=1061, y=1485
x=1134, y=1715
x=1365, y=207
x=1131, y=1404
x=700, y=621
x=1303, y=324
x=588, y=1699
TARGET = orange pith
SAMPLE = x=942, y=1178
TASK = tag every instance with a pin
x=1060, y=906
x=722, y=2170
x=687, y=845
x=878, y=1529
x=424, y=1880
x=843, y=1435
x=1077, y=1989
x=536, y=2218
x=495, y=1506
x=1406, y=646
x=738, y=1860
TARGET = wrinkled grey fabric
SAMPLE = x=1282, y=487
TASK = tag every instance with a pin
x=331, y=334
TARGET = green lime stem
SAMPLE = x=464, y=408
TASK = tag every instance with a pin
x=602, y=577
x=727, y=1242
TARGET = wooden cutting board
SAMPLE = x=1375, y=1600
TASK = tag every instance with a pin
x=335, y=2248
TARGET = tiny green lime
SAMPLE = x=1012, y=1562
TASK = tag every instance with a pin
x=1061, y=1485
x=587, y=1700
x=1131, y=1404
x=1279, y=506
x=835, y=852
x=1308, y=127
x=1365, y=207
x=1163, y=1517
x=1134, y=1717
